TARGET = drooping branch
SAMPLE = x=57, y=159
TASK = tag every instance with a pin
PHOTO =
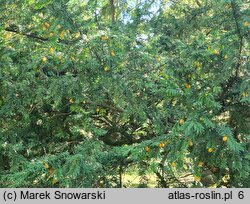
x=236, y=19
x=233, y=79
x=28, y=35
x=37, y=37
x=112, y=7
x=161, y=173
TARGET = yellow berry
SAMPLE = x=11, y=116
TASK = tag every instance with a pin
x=187, y=86
x=197, y=178
x=51, y=50
x=44, y=59
x=158, y=59
x=173, y=164
x=190, y=143
x=44, y=27
x=77, y=35
x=47, y=24
x=51, y=171
x=200, y=164
x=41, y=15
x=215, y=52
x=104, y=37
x=246, y=24
x=97, y=110
x=62, y=34
x=181, y=121
x=58, y=26
x=106, y=69
x=210, y=150
x=112, y=53
x=161, y=145
x=226, y=57
x=244, y=94
x=54, y=181
x=197, y=64
x=71, y=100
x=51, y=34
x=59, y=57
x=225, y=138
x=147, y=149
x=46, y=165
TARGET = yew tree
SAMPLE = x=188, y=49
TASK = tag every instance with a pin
x=90, y=88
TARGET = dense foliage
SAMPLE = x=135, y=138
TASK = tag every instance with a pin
x=89, y=89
